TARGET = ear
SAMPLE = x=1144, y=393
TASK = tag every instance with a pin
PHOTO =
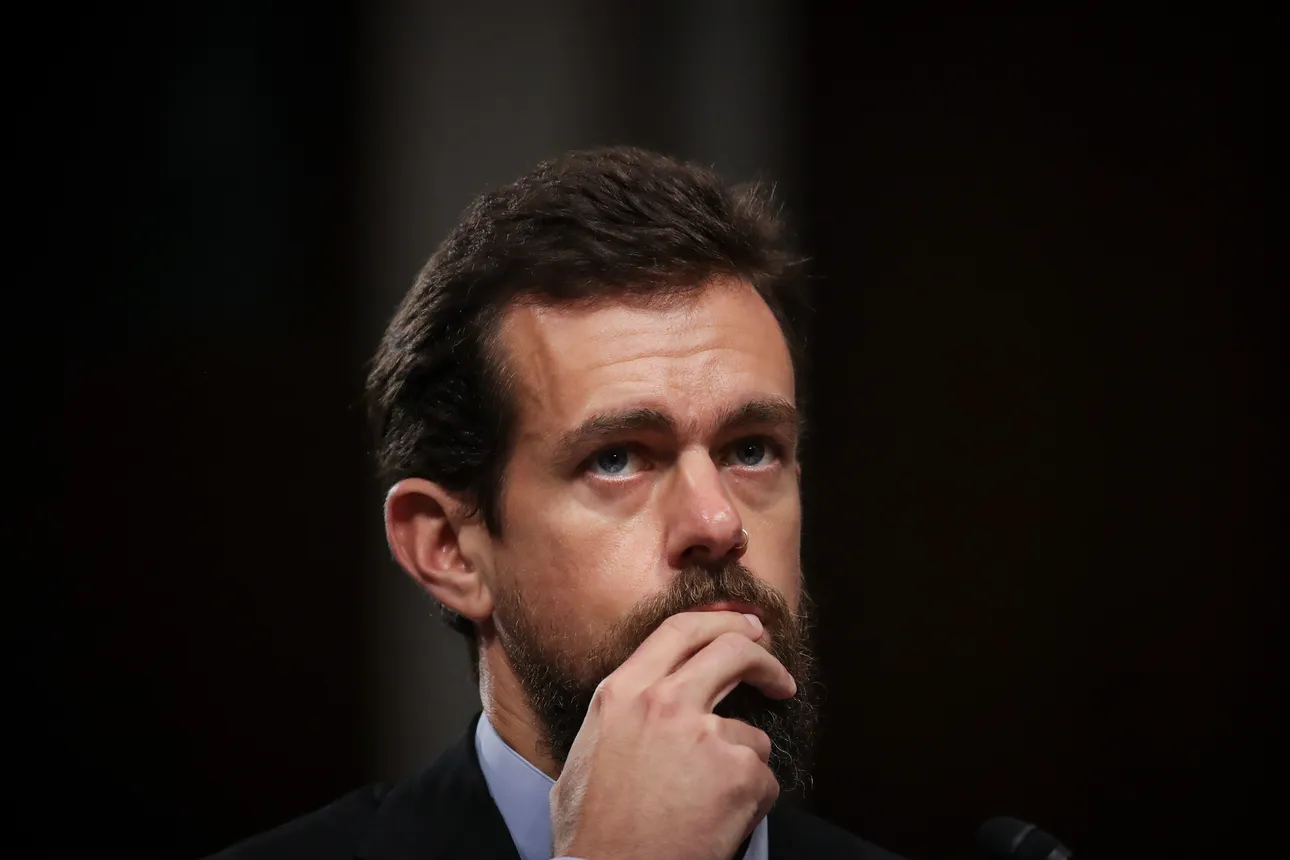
x=445, y=551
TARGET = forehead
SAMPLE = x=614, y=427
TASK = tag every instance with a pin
x=694, y=357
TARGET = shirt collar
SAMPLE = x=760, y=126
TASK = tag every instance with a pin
x=523, y=796
x=520, y=790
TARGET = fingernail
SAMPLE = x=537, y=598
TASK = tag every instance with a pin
x=754, y=621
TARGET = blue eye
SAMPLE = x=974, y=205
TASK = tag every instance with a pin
x=753, y=451
x=612, y=461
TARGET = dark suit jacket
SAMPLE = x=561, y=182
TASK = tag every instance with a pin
x=447, y=814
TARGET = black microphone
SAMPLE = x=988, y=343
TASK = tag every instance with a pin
x=1010, y=839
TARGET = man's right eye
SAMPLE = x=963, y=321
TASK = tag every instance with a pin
x=615, y=462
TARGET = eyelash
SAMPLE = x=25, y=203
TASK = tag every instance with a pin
x=776, y=449
x=772, y=444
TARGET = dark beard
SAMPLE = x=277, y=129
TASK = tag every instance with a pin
x=560, y=685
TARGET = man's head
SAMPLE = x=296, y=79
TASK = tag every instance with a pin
x=587, y=396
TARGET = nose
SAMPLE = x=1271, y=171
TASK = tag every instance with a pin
x=704, y=525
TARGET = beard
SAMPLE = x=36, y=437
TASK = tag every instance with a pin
x=560, y=684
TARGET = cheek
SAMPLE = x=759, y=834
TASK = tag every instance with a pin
x=575, y=571
x=778, y=558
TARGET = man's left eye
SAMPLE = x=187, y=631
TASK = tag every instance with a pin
x=753, y=451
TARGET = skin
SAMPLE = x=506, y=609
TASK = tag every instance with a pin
x=595, y=522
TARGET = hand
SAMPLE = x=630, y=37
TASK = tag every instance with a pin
x=653, y=772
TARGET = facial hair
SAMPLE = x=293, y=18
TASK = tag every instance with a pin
x=559, y=683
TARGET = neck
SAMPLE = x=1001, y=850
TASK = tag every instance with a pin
x=507, y=708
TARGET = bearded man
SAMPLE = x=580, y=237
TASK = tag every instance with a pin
x=587, y=412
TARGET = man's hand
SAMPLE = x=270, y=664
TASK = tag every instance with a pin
x=653, y=772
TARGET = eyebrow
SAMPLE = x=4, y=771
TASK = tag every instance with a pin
x=605, y=427
x=774, y=412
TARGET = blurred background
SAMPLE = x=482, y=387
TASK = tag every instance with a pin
x=1038, y=487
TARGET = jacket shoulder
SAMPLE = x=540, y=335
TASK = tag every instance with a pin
x=334, y=831
x=796, y=833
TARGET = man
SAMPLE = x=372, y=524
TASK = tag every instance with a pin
x=586, y=411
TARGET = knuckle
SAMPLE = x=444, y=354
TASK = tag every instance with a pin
x=770, y=790
x=735, y=644
x=748, y=764
x=710, y=727
x=605, y=695
x=660, y=702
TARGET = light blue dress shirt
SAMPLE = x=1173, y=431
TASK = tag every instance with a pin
x=523, y=796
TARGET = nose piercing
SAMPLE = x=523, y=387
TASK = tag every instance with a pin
x=742, y=543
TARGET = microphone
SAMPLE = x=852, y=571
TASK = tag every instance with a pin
x=1009, y=839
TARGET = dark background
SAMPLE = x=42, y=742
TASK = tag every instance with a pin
x=1038, y=485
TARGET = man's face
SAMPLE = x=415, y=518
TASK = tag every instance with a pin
x=646, y=439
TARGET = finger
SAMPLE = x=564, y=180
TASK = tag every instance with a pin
x=708, y=676
x=678, y=639
x=760, y=780
x=739, y=732
x=769, y=794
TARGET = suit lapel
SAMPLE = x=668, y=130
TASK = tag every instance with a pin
x=788, y=834
x=447, y=812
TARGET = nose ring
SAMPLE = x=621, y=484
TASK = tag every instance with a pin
x=742, y=543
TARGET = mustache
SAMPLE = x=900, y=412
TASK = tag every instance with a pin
x=697, y=586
